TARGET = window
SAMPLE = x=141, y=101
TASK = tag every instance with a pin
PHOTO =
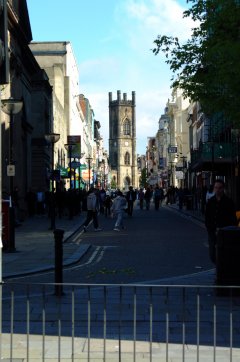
x=127, y=158
x=126, y=127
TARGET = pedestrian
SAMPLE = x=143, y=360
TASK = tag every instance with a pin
x=118, y=208
x=102, y=197
x=141, y=198
x=158, y=196
x=180, y=195
x=107, y=204
x=40, y=202
x=92, y=210
x=220, y=212
x=131, y=197
x=31, y=200
x=147, y=197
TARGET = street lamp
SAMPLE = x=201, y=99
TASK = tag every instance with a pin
x=89, y=159
x=69, y=147
x=52, y=138
x=80, y=176
x=11, y=107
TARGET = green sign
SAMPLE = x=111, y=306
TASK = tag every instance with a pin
x=63, y=171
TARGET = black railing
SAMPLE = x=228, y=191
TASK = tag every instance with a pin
x=120, y=323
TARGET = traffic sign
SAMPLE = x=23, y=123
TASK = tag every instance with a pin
x=10, y=170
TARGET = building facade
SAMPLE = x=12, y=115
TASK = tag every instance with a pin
x=122, y=141
x=30, y=84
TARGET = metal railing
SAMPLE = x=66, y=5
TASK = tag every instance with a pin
x=119, y=323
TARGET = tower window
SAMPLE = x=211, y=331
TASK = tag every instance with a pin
x=126, y=127
x=127, y=158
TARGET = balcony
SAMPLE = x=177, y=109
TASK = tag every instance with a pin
x=211, y=152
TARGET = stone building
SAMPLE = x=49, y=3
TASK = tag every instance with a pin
x=122, y=141
x=30, y=84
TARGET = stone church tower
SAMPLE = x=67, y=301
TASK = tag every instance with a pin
x=122, y=141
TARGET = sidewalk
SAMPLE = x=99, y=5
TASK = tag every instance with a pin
x=195, y=214
x=35, y=246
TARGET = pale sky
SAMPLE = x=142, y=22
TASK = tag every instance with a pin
x=112, y=42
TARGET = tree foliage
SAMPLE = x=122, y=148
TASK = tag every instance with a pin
x=206, y=66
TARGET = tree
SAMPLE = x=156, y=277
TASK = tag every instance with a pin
x=143, y=177
x=206, y=66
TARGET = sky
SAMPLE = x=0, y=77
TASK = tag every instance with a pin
x=112, y=42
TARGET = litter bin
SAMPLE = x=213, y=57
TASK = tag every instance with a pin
x=5, y=224
x=228, y=256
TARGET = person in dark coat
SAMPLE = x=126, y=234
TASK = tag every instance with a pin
x=220, y=212
x=31, y=200
x=131, y=197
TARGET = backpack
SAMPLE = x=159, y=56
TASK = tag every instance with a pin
x=91, y=201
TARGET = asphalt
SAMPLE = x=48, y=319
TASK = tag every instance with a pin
x=35, y=246
x=35, y=250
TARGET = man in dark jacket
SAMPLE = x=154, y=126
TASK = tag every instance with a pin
x=131, y=197
x=220, y=212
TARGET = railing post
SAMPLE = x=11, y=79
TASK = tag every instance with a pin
x=58, y=236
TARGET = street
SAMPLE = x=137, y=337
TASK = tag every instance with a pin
x=146, y=314
x=155, y=245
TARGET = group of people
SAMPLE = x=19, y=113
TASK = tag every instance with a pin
x=220, y=209
x=101, y=201
x=66, y=202
x=115, y=208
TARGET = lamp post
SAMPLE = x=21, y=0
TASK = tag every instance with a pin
x=69, y=147
x=52, y=138
x=80, y=174
x=89, y=159
x=11, y=107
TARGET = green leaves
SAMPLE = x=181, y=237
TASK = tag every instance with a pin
x=206, y=66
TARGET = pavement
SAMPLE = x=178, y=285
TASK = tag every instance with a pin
x=35, y=246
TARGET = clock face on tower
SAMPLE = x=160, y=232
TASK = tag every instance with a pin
x=126, y=143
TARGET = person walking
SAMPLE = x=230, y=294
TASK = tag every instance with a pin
x=141, y=198
x=158, y=196
x=131, y=197
x=220, y=212
x=107, y=204
x=147, y=197
x=117, y=209
x=92, y=210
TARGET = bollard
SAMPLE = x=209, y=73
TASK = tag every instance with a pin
x=227, y=258
x=58, y=236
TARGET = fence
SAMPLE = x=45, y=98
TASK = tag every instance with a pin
x=119, y=323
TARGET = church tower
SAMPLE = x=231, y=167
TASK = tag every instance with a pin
x=122, y=141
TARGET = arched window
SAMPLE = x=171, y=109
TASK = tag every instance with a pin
x=126, y=127
x=127, y=158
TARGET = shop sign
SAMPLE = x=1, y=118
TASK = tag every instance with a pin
x=172, y=149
